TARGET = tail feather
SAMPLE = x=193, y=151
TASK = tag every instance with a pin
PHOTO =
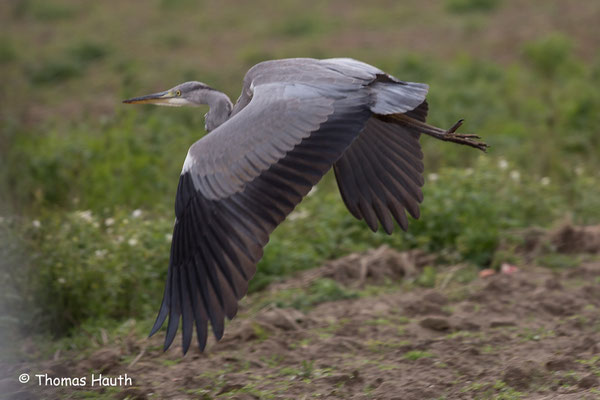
x=394, y=98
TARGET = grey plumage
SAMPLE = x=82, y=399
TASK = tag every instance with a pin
x=294, y=120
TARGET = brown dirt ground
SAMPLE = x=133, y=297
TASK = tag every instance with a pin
x=531, y=334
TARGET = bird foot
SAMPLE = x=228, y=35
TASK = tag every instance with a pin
x=455, y=127
x=449, y=135
x=466, y=139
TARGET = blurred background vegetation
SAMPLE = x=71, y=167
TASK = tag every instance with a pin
x=87, y=184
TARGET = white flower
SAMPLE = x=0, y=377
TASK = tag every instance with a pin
x=132, y=242
x=36, y=224
x=515, y=175
x=545, y=181
x=579, y=171
x=469, y=171
x=101, y=253
x=136, y=213
x=119, y=239
x=109, y=221
x=312, y=191
x=433, y=177
x=61, y=280
x=169, y=237
x=85, y=215
x=502, y=164
x=298, y=215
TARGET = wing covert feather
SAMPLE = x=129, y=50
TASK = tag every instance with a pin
x=277, y=118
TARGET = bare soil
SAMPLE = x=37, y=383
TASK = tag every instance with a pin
x=533, y=333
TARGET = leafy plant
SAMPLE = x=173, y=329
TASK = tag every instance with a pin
x=463, y=6
x=55, y=72
x=549, y=54
x=86, y=52
x=84, y=265
x=7, y=51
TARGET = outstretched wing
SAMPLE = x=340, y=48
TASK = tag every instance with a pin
x=380, y=175
x=238, y=183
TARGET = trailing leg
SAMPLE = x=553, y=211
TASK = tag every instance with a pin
x=449, y=135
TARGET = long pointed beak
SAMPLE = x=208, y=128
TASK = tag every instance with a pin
x=155, y=98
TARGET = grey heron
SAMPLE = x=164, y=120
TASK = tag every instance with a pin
x=294, y=120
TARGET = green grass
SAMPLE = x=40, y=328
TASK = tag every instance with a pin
x=8, y=53
x=466, y=6
x=427, y=278
x=382, y=347
x=551, y=55
x=417, y=355
x=499, y=390
x=86, y=52
x=320, y=291
x=55, y=72
x=558, y=261
x=42, y=10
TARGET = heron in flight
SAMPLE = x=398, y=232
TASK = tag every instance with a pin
x=294, y=120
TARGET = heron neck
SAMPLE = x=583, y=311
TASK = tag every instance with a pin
x=219, y=109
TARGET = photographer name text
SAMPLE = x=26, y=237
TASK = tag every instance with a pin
x=93, y=380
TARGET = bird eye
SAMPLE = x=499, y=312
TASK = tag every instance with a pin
x=178, y=93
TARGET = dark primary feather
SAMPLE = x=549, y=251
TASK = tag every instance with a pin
x=294, y=120
x=380, y=175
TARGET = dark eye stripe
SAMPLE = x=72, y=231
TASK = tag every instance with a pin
x=201, y=86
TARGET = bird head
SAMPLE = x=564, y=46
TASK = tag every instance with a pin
x=185, y=94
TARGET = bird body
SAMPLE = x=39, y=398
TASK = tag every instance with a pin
x=294, y=120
